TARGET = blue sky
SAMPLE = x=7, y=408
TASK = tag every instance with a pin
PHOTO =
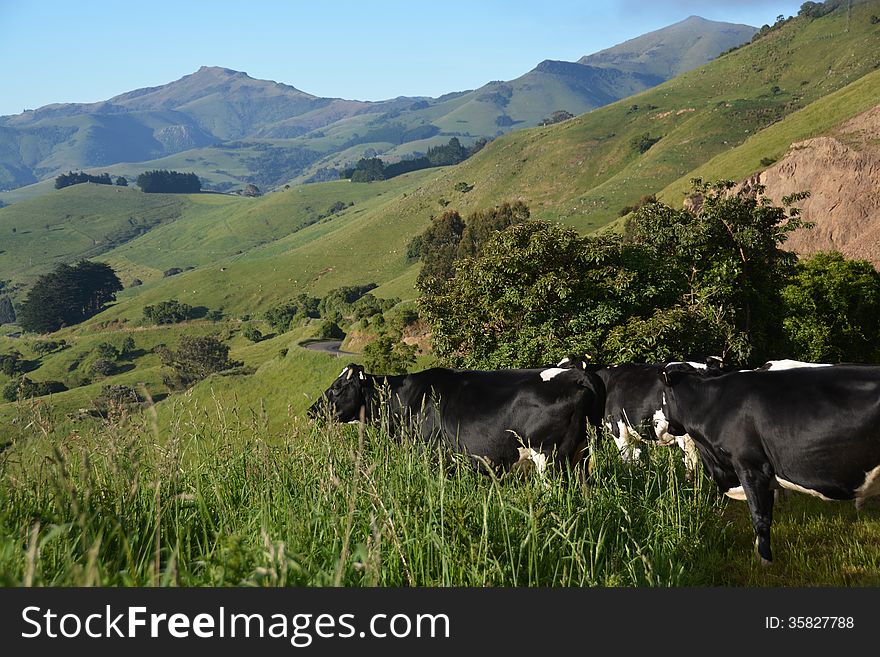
x=54, y=51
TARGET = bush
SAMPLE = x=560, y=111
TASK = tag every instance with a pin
x=103, y=367
x=128, y=348
x=49, y=346
x=24, y=388
x=252, y=333
x=195, y=359
x=767, y=161
x=387, y=356
x=282, y=317
x=643, y=143
x=115, y=400
x=168, y=312
x=107, y=350
x=330, y=330
x=11, y=364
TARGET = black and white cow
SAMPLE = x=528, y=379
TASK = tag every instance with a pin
x=633, y=394
x=500, y=416
x=815, y=430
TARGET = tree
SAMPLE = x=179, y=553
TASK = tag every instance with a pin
x=169, y=182
x=251, y=191
x=832, y=310
x=168, y=312
x=438, y=249
x=196, y=358
x=24, y=388
x=300, y=307
x=68, y=295
x=71, y=178
x=122, y=181
x=528, y=297
x=329, y=330
x=368, y=170
x=676, y=285
x=103, y=367
x=252, y=333
x=7, y=312
x=388, y=356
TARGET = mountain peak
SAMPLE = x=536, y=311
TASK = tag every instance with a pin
x=219, y=71
x=673, y=49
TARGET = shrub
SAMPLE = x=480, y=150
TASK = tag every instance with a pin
x=330, y=330
x=195, y=359
x=128, y=348
x=11, y=364
x=24, y=388
x=252, y=333
x=103, y=367
x=168, y=312
x=643, y=142
x=387, y=356
x=115, y=400
x=107, y=351
x=49, y=346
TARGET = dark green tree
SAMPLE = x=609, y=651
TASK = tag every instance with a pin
x=7, y=311
x=68, y=295
x=832, y=310
x=388, y=356
x=196, y=358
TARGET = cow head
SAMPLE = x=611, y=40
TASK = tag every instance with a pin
x=344, y=398
x=666, y=426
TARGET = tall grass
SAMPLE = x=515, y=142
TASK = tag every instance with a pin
x=218, y=498
x=224, y=502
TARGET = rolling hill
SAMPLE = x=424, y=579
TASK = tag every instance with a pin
x=804, y=79
x=232, y=129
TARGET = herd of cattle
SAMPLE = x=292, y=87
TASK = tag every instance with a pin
x=800, y=426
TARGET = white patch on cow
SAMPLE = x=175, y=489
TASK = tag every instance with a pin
x=736, y=493
x=800, y=489
x=787, y=364
x=690, y=455
x=625, y=442
x=350, y=372
x=869, y=488
x=564, y=361
x=361, y=374
x=342, y=373
x=661, y=428
x=548, y=374
x=537, y=459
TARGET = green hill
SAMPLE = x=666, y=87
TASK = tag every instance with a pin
x=672, y=50
x=232, y=129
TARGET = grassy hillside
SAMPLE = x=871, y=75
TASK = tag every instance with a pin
x=77, y=222
x=816, y=119
x=585, y=170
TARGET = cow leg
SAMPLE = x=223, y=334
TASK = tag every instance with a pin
x=759, y=495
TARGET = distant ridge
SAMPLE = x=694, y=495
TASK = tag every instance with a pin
x=233, y=130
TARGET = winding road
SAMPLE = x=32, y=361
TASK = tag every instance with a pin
x=328, y=346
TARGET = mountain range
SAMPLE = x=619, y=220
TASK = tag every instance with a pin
x=232, y=129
